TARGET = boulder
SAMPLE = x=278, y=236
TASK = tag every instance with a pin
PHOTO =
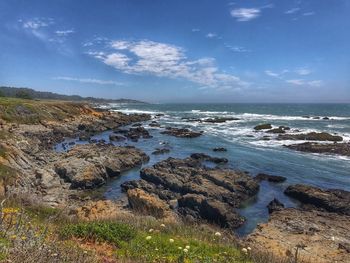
x=275, y=205
x=205, y=157
x=220, y=149
x=161, y=151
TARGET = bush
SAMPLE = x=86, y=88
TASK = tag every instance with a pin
x=23, y=95
x=112, y=232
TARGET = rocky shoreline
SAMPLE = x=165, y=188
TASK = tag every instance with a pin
x=186, y=190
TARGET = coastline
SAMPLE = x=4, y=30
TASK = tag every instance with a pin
x=63, y=179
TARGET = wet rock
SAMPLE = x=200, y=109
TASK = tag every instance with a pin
x=205, y=157
x=332, y=200
x=159, y=115
x=181, y=132
x=275, y=205
x=335, y=148
x=137, y=125
x=134, y=134
x=89, y=166
x=161, y=151
x=316, y=118
x=265, y=126
x=154, y=124
x=276, y=130
x=220, y=119
x=325, y=118
x=312, y=136
x=270, y=178
x=220, y=149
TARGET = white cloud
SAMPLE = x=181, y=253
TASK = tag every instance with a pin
x=292, y=11
x=315, y=83
x=64, y=32
x=211, y=35
x=36, y=23
x=245, y=14
x=165, y=60
x=297, y=82
x=303, y=71
x=195, y=30
x=91, y=81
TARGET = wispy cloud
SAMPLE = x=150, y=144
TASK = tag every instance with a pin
x=36, y=23
x=302, y=82
x=245, y=14
x=292, y=11
x=276, y=74
x=165, y=60
x=309, y=13
x=64, y=32
x=238, y=49
x=303, y=71
x=195, y=30
x=91, y=81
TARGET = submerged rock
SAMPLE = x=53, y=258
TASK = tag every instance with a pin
x=205, y=157
x=312, y=136
x=220, y=119
x=335, y=148
x=270, y=178
x=220, y=149
x=161, y=151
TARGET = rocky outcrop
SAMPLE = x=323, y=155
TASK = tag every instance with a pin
x=270, y=178
x=312, y=136
x=332, y=200
x=265, y=126
x=319, y=236
x=201, y=193
x=89, y=166
x=134, y=134
x=181, y=132
x=334, y=148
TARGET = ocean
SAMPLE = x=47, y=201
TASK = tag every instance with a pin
x=247, y=150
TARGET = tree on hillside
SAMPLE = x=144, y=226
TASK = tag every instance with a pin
x=23, y=95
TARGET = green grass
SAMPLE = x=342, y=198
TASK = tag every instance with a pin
x=113, y=232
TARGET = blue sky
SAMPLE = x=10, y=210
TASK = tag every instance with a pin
x=179, y=51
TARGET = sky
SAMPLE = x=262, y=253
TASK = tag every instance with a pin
x=179, y=50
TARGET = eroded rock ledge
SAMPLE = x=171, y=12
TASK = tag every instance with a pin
x=196, y=192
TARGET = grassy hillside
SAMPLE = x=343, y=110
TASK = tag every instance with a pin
x=27, y=111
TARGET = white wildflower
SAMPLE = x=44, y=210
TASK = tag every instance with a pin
x=187, y=247
x=185, y=250
x=148, y=237
x=244, y=250
x=171, y=240
x=218, y=234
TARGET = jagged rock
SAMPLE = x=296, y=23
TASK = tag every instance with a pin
x=332, y=200
x=312, y=136
x=90, y=165
x=270, y=178
x=147, y=204
x=154, y=124
x=276, y=130
x=205, y=157
x=223, y=190
x=220, y=149
x=182, y=133
x=275, y=205
x=335, y=148
x=263, y=127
